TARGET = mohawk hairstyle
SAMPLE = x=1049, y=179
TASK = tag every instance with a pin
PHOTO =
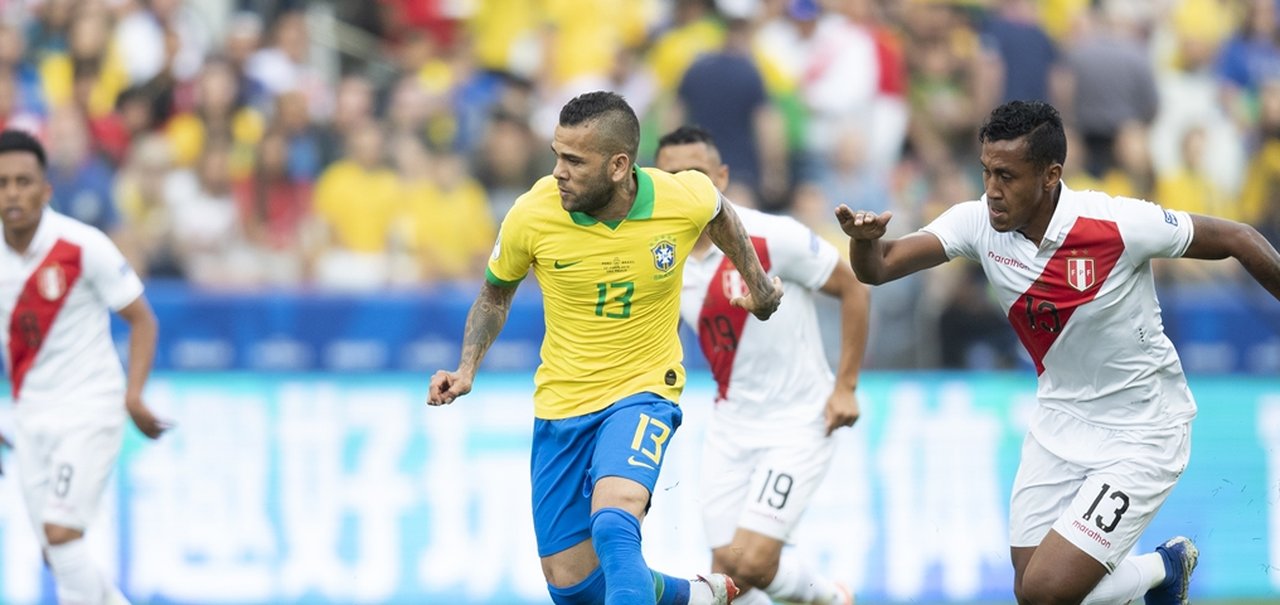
x=618, y=126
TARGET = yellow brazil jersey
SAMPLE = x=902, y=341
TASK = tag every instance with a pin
x=359, y=204
x=611, y=292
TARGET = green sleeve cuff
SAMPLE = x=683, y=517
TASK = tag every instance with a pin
x=497, y=281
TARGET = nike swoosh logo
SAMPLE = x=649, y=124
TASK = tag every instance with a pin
x=562, y=265
x=633, y=462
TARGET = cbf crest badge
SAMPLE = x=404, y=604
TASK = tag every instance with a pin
x=664, y=255
x=51, y=282
x=1080, y=274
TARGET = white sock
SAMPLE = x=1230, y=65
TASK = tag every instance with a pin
x=801, y=584
x=700, y=593
x=755, y=596
x=1132, y=578
x=77, y=578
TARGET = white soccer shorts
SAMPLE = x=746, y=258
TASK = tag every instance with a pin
x=65, y=458
x=1105, y=496
x=765, y=489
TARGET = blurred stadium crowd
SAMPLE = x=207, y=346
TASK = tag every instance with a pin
x=361, y=145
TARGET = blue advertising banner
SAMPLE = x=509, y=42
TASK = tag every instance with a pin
x=1227, y=328
x=321, y=488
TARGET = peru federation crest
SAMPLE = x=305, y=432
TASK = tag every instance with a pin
x=664, y=256
x=51, y=282
x=1080, y=273
x=732, y=283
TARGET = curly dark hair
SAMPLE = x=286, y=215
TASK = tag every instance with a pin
x=1039, y=122
x=616, y=122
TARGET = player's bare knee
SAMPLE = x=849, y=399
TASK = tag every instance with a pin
x=571, y=565
x=617, y=492
x=1044, y=593
x=58, y=534
x=724, y=560
x=755, y=568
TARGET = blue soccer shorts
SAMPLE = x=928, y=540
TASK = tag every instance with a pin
x=626, y=439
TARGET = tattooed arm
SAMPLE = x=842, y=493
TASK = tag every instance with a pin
x=728, y=234
x=485, y=320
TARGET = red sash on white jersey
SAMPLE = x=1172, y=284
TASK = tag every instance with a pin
x=42, y=297
x=720, y=323
x=1072, y=278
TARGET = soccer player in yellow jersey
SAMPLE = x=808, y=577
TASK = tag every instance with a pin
x=607, y=241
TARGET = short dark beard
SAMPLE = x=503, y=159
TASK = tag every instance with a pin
x=590, y=202
x=599, y=199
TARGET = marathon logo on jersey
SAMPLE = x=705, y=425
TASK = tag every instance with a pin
x=664, y=255
x=1080, y=273
x=1007, y=261
x=51, y=282
x=1171, y=218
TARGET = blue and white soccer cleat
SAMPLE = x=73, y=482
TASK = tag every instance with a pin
x=1180, y=556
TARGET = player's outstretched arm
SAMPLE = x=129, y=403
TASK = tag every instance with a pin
x=484, y=322
x=855, y=311
x=876, y=260
x=143, y=331
x=1217, y=238
x=728, y=234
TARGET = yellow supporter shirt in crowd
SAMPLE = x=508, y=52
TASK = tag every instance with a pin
x=585, y=34
x=1261, y=184
x=1060, y=17
x=675, y=50
x=186, y=134
x=500, y=29
x=589, y=34
x=358, y=204
x=57, y=78
x=611, y=292
x=1195, y=193
x=449, y=229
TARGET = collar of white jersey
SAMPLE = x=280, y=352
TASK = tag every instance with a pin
x=1064, y=216
x=44, y=231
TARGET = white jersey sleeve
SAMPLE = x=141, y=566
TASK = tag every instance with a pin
x=109, y=274
x=799, y=255
x=1150, y=231
x=959, y=228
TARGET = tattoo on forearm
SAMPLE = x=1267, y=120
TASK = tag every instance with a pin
x=485, y=320
x=731, y=237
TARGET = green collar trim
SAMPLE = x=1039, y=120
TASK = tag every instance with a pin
x=641, y=209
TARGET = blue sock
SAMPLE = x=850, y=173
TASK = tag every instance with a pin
x=615, y=533
x=587, y=592
x=670, y=591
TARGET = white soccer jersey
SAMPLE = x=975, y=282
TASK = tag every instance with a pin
x=768, y=373
x=1084, y=305
x=54, y=302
